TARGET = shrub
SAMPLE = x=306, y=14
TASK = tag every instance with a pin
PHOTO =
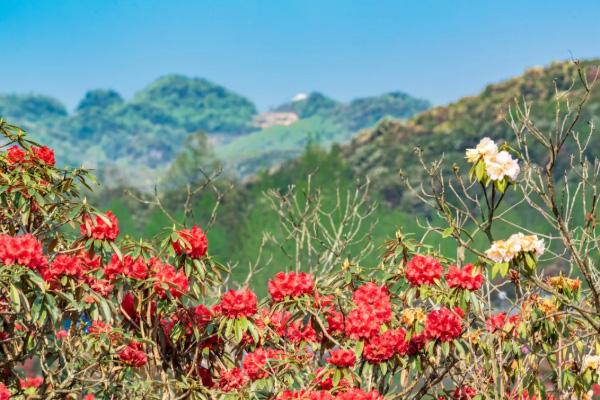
x=105, y=317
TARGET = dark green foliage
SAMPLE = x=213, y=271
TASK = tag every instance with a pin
x=99, y=98
x=315, y=104
x=195, y=103
x=365, y=112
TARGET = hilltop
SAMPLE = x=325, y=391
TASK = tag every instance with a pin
x=137, y=139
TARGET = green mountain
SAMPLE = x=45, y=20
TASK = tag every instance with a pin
x=322, y=121
x=145, y=134
x=147, y=130
x=313, y=104
x=384, y=151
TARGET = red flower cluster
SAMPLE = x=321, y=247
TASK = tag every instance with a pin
x=100, y=228
x=167, y=278
x=44, y=154
x=64, y=265
x=464, y=393
x=444, y=324
x=359, y=394
x=15, y=155
x=373, y=308
x=194, y=243
x=383, y=347
x=464, y=278
x=237, y=303
x=422, y=270
x=305, y=395
x=374, y=298
x=232, y=379
x=32, y=382
x=23, y=250
x=292, y=331
x=341, y=358
x=258, y=363
x=291, y=284
x=136, y=269
x=133, y=355
x=4, y=392
x=500, y=322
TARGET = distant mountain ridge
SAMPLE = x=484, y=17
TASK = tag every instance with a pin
x=148, y=130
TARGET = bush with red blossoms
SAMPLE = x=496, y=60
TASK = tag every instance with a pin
x=100, y=227
x=86, y=313
x=191, y=242
x=291, y=284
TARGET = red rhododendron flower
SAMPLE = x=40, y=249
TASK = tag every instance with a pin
x=341, y=358
x=44, y=153
x=197, y=243
x=202, y=315
x=375, y=299
x=464, y=278
x=133, y=355
x=238, y=303
x=335, y=322
x=101, y=286
x=495, y=322
x=4, y=392
x=383, y=347
x=232, y=379
x=89, y=396
x=167, y=278
x=63, y=265
x=32, y=382
x=258, y=363
x=291, y=284
x=359, y=394
x=100, y=228
x=444, y=324
x=23, y=250
x=362, y=324
x=136, y=269
x=305, y=395
x=15, y=155
x=293, y=331
x=464, y=393
x=422, y=270
x=62, y=334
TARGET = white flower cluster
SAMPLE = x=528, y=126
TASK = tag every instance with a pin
x=498, y=164
x=591, y=362
x=506, y=250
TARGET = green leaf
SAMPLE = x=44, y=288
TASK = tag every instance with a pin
x=448, y=231
x=358, y=348
x=15, y=298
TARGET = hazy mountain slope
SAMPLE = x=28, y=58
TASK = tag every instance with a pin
x=146, y=131
x=382, y=152
x=322, y=120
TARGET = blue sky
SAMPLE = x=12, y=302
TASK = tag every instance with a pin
x=270, y=50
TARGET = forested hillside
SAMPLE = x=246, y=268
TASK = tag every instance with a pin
x=135, y=140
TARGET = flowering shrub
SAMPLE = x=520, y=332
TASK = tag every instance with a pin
x=99, y=316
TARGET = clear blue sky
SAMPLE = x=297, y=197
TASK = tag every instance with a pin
x=270, y=50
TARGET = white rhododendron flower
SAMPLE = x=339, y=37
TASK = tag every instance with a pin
x=591, y=362
x=486, y=148
x=500, y=165
x=532, y=244
x=501, y=251
x=506, y=250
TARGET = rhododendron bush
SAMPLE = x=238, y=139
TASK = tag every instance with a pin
x=87, y=313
